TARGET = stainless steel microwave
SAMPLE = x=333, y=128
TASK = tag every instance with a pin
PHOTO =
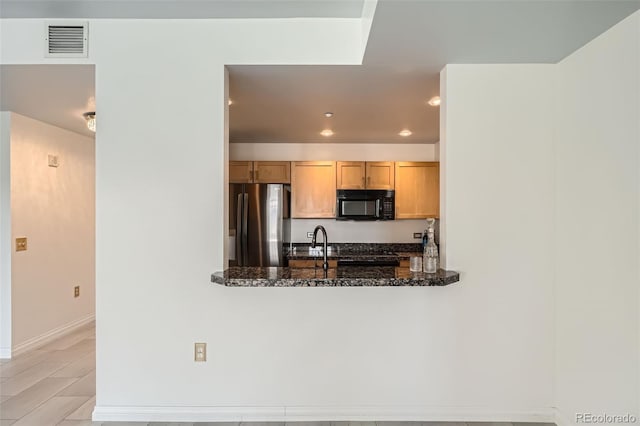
x=365, y=204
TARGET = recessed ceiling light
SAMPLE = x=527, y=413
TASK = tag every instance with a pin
x=230, y=102
x=435, y=101
x=405, y=133
x=328, y=114
x=327, y=132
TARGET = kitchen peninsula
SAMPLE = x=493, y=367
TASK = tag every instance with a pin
x=354, y=276
x=305, y=269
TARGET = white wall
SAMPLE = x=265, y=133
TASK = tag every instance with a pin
x=332, y=151
x=497, y=149
x=479, y=350
x=597, y=170
x=54, y=208
x=5, y=234
x=397, y=231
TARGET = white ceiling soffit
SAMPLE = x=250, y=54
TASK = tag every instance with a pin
x=429, y=34
x=54, y=94
x=181, y=9
x=370, y=104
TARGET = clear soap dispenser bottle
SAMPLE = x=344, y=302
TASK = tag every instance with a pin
x=430, y=252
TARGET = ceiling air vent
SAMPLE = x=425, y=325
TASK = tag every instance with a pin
x=66, y=39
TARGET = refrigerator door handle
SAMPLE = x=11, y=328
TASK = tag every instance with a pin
x=245, y=233
x=239, y=240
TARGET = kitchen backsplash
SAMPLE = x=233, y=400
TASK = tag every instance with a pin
x=393, y=231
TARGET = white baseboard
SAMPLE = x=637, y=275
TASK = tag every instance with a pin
x=5, y=353
x=309, y=414
x=50, y=335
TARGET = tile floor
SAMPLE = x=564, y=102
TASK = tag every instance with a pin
x=55, y=384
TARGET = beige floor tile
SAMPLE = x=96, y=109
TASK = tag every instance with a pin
x=85, y=386
x=22, y=362
x=6, y=422
x=52, y=411
x=78, y=368
x=262, y=424
x=211, y=424
x=80, y=423
x=29, y=377
x=84, y=411
x=3, y=398
x=490, y=424
x=21, y=404
x=125, y=424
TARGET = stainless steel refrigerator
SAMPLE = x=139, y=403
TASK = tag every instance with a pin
x=259, y=224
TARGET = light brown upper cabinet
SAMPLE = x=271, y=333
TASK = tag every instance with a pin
x=313, y=189
x=240, y=171
x=380, y=175
x=369, y=175
x=259, y=172
x=351, y=174
x=417, y=190
x=271, y=172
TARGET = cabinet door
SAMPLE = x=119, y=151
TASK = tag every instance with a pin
x=380, y=175
x=417, y=190
x=311, y=263
x=351, y=174
x=240, y=171
x=271, y=172
x=313, y=189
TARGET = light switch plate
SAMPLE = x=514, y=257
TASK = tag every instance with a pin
x=200, y=352
x=417, y=235
x=21, y=244
x=309, y=234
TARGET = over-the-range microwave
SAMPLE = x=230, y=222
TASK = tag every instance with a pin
x=365, y=204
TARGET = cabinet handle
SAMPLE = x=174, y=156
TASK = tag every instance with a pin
x=250, y=175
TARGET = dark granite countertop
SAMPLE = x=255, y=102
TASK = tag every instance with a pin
x=352, y=276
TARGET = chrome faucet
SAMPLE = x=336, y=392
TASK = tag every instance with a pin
x=325, y=262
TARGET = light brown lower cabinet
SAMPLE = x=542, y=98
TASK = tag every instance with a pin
x=313, y=189
x=311, y=263
x=417, y=190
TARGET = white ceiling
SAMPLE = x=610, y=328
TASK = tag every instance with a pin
x=55, y=94
x=182, y=9
x=410, y=42
x=370, y=104
x=429, y=34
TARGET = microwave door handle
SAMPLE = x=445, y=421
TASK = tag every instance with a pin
x=378, y=208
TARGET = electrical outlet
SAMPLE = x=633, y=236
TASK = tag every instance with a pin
x=200, y=352
x=76, y=291
x=21, y=244
x=417, y=235
x=309, y=234
x=53, y=160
